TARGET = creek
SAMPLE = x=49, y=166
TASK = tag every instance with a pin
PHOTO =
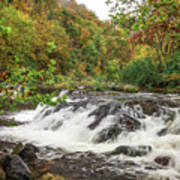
x=139, y=128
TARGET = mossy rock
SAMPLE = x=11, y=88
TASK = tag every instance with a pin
x=131, y=88
x=49, y=176
x=2, y=175
x=18, y=148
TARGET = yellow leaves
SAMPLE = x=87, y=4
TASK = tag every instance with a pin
x=172, y=77
x=84, y=34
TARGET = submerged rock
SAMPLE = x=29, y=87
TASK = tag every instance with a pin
x=16, y=169
x=132, y=150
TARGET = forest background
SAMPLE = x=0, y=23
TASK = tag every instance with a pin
x=61, y=43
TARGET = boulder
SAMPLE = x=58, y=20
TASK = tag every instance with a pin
x=162, y=160
x=122, y=123
x=110, y=133
x=16, y=169
x=101, y=112
x=132, y=150
x=18, y=148
x=28, y=154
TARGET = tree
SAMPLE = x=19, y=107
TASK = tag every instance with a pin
x=152, y=22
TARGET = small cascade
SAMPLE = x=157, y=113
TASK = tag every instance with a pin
x=144, y=128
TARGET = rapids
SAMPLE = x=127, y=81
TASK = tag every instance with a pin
x=142, y=127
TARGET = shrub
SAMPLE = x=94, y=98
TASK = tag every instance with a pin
x=143, y=72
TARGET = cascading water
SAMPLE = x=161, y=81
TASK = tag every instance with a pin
x=144, y=128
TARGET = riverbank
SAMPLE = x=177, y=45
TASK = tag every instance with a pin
x=102, y=86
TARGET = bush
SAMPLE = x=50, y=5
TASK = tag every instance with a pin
x=113, y=68
x=174, y=63
x=143, y=72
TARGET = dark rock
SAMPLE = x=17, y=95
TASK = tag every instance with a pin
x=132, y=150
x=128, y=123
x=6, y=147
x=18, y=148
x=169, y=115
x=60, y=106
x=108, y=134
x=148, y=106
x=47, y=113
x=28, y=154
x=121, y=122
x=101, y=112
x=79, y=104
x=75, y=105
x=163, y=160
x=16, y=169
x=90, y=166
x=57, y=125
x=163, y=132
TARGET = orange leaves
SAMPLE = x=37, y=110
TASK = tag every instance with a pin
x=2, y=76
x=82, y=66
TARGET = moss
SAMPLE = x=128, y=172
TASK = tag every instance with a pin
x=2, y=175
x=49, y=176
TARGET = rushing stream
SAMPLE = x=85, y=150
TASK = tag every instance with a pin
x=143, y=128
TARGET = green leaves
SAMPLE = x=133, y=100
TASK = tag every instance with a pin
x=51, y=46
x=53, y=62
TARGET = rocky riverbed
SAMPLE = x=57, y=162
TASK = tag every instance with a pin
x=92, y=136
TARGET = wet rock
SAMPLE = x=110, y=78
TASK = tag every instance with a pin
x=79, y=104
x=122, y=122
x=6, y=147
x=75, y=105
x=168, y=103
x=18, y=148
x=110, y=133
x=57, y=125
x=16, y=169
x=163, y=132
x=2, y=174
x=132, y=151
x=128, y=123
x=9, y=122
x=101, y=112
x=90, y=166
x=168, y=115
x=49, y=176
x=163, y=160
x=28, y=154
x=59, y=107
x=148, y=107
x=47, y=113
